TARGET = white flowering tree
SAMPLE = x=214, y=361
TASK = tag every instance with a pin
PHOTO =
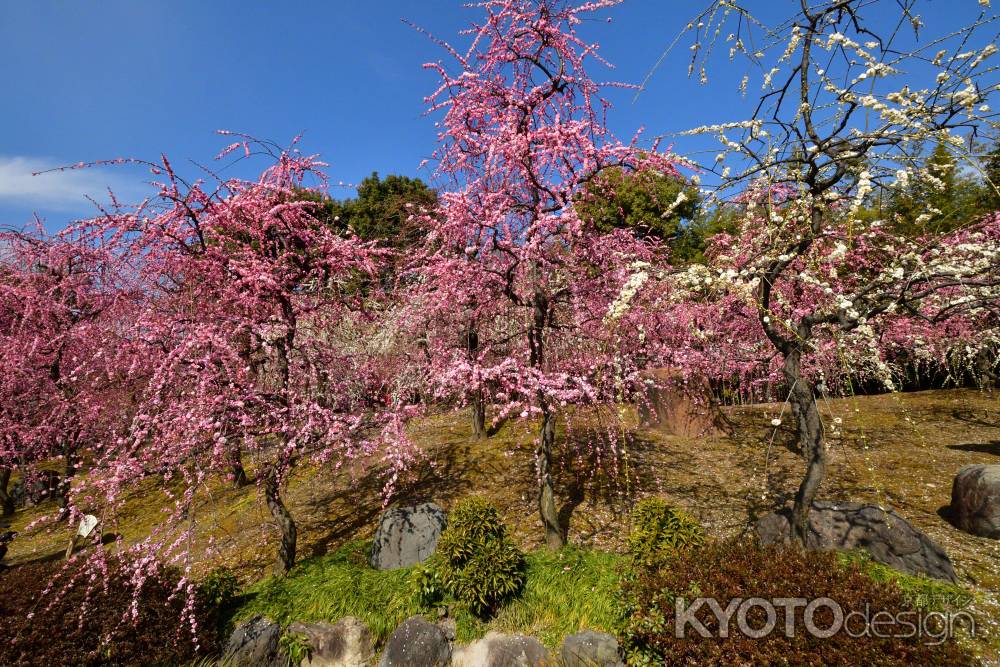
x=850, y=102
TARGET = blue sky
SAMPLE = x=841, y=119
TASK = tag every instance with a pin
x=89, y=80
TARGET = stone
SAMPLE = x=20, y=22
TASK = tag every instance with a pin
x=678, y=406
x=254, y=643
x=883, y=533
x=590, y=649
x=501, y=650
x=348, y=643
x=417, y=643
x=975, y=500
x=407, y=536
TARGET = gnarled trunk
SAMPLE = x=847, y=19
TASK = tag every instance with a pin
x=478, y=416
x=6, y=502
x=283, y=520
x=811, y=445
x=554, y=537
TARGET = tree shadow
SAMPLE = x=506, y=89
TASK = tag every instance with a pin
x=337, y=516
x=992, y=447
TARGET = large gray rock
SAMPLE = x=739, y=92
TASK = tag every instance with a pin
x=417, y=643
x=500, y=650
x=975, y=500
x=254, y=643
x=407, y=536
x=883, y=533
x=590, y=649
x=348, y=643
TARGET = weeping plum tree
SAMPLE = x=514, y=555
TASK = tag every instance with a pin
x=243, y=285
x=848, y=106
x=59, y=391
x=522, y=131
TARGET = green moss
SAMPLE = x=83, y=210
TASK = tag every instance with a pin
x=921, y=592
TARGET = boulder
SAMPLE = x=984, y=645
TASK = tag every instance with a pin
x=975, y=500
x=417, y=643
x=883, y=533
x=407, y=536
x=348, y=643
x=254, y=643
x=680, y=406
x=590, y=649
x=500, y=650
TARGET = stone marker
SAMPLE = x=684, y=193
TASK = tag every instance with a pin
x=407, y=536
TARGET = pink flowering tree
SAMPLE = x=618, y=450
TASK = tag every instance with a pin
x=521, y=132
x=60, y=393
x=247, y=296
x=847, y=109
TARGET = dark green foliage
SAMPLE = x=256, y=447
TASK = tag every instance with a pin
x=989, y=198
x=219, y=588
x=476, y=562
x=381, y=211
x=659, y=531
x=102, y=635
x=643, y=202
x=742, y=569
x=950, y=200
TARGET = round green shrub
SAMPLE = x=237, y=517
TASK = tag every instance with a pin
x=219, y=588
x=659, y=530
x=476, y=562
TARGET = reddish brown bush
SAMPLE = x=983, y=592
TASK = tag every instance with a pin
x=102, y=635
x=745, y=570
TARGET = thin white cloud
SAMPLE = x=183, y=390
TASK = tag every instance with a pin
x=62, y=190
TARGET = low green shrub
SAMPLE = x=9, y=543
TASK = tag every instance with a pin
x=219, y=588
x=743, y=569
x=659, y=530
x=476, y=562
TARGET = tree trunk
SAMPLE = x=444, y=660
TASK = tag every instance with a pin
x=65, y=485
x=283, y=519
x=554, y=537
x=6, y=502
x=478, y=416
x=478, y=397
x=811, y=445
x=240, y=478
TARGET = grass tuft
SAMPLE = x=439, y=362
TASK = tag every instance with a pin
x=565, y=591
